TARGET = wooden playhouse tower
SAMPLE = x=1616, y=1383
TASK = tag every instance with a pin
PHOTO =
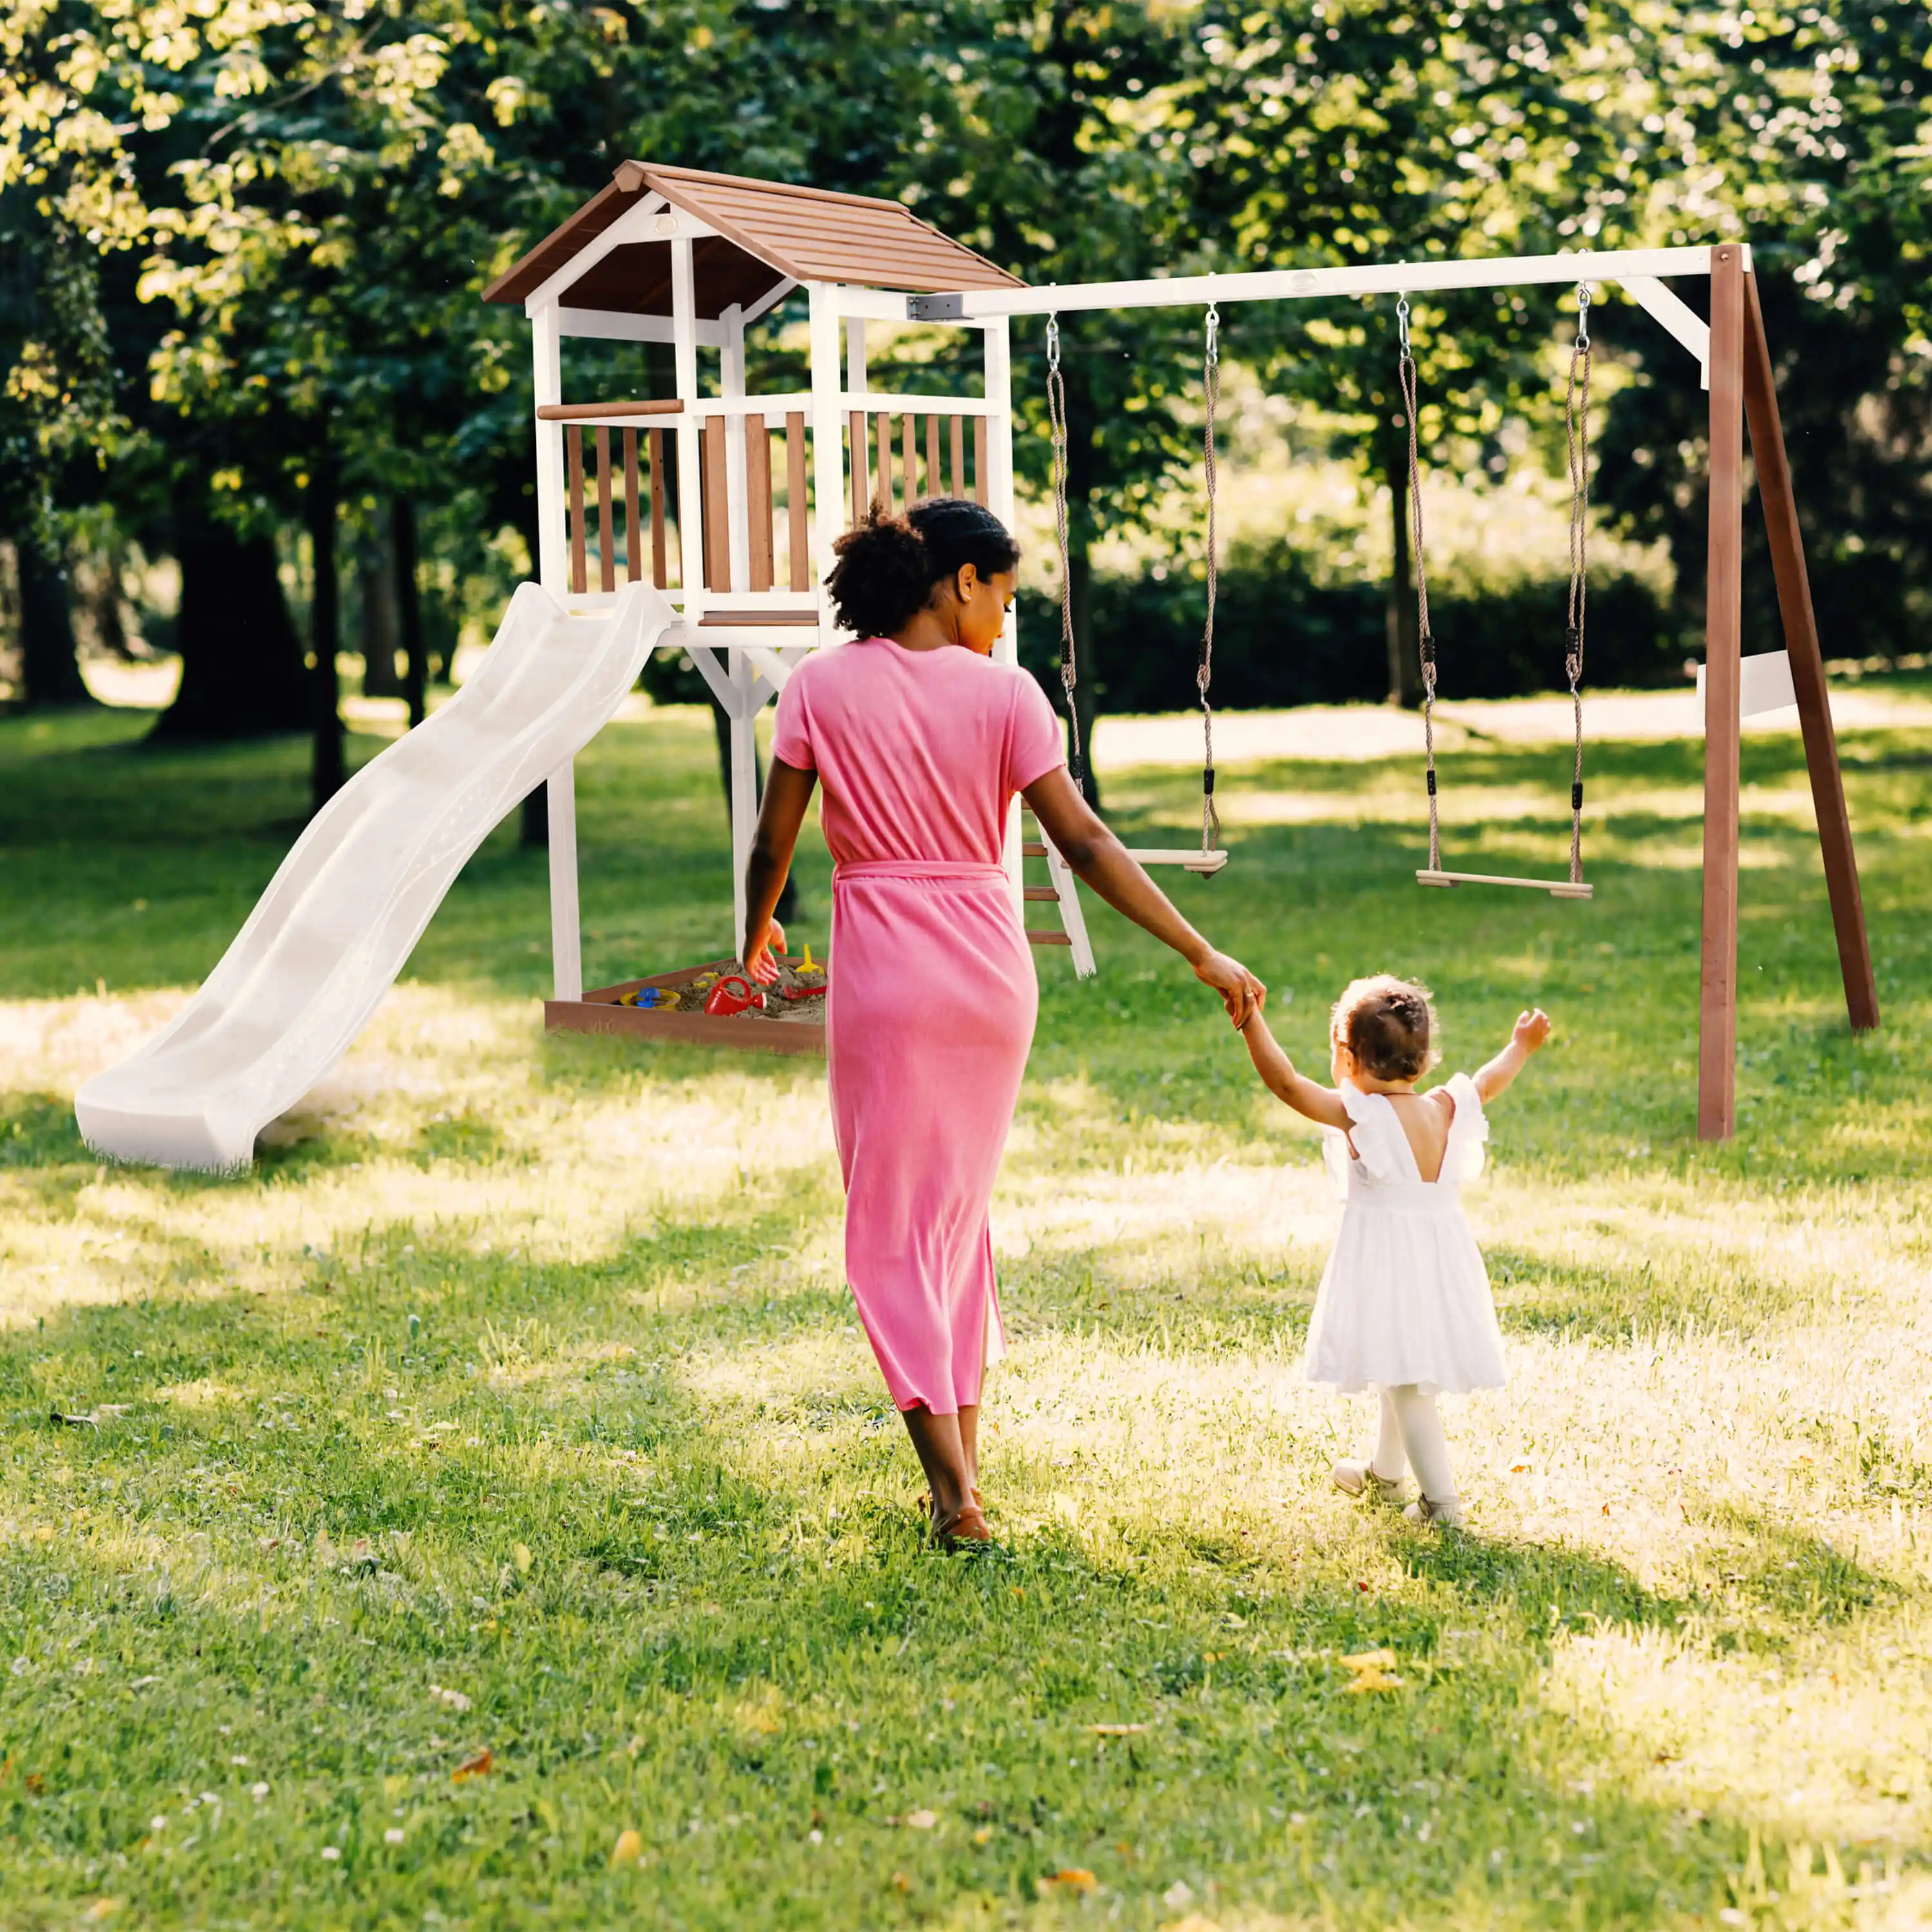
x=726, y=501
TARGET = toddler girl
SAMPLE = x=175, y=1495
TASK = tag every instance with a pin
x=1404, y=1302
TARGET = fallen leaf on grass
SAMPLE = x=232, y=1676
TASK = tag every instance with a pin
x=520, y=1555
x=102, y=1908
x=1075, y=1878
x=481, y=1766
x=1117, y=1730
x=921, y=1820
x=629, y=1849
x=454, y=1699
x=983, y=1836
x=1372, y=1670
x=901, y=1883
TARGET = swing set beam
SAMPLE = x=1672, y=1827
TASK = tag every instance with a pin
x=1739, y=373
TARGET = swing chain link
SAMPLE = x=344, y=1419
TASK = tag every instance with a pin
x=1425, y=637
x=1056, y=415
x=1577, y=424
x=1210, y=819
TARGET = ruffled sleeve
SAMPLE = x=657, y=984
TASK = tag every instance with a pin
x=1381, y=1147
x=1468, y=1131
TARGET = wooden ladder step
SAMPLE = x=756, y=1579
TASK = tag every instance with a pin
x=1044, y=936
x=1045, y=894
x=1032, y=848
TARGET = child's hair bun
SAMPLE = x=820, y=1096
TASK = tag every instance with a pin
x=888, y=564
x=1388, y=1025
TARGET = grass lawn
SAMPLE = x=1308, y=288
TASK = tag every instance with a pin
x=493, y=1517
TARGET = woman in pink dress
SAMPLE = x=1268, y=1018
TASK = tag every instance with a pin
x=921, y=741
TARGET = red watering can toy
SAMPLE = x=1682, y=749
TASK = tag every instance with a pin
x=732, y=994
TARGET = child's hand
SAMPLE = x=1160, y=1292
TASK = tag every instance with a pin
x=758, y=952
x=1531, y=1031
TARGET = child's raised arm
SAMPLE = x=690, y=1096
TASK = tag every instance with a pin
x=1531, y=1030
x=1320, y=1104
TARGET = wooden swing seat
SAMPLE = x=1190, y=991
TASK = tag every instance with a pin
x=1557, y=888
x=1204, y=864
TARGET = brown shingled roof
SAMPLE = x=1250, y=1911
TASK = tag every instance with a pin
x=768, y=231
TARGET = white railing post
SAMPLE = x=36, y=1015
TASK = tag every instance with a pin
x=828, y=447
x=690, y=476
x=737, y=477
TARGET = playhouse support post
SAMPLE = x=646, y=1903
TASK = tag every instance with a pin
x=691, y=547
x=737, y=484
x=748, y=702
x=1718, y=987
x=999, y=487
x=828, y=461
x=553, y=563
x=1807, y=667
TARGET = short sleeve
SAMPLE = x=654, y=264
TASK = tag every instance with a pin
x=1468, y=1131
x=1033, y=742
x=791, y=729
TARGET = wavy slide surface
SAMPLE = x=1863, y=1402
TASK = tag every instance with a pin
x=349, y=903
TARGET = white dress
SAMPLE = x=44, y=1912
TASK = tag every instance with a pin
x=1405, y=1298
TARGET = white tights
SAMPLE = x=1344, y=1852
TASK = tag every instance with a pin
x=1411, y=1437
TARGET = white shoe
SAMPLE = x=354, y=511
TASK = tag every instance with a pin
x=1355, y=1479
x=1446, y=1512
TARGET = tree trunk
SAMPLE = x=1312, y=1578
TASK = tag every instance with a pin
x=50, y=669
x=381, y=622
x=326, y=767
x=408, y=608
x=1405, y=664
x=787, y=908
x=241, y=659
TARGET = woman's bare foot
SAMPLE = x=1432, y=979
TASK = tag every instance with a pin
x=965, y=1525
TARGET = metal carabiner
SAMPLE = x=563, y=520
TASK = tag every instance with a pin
x=1053, y=340
x=1213, y=335
x=1402, y=322
x=1582, y=315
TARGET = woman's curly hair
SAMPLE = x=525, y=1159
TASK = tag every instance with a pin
x=888, y=564
x=1388, y=1025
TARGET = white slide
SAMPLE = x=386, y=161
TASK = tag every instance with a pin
x=347, y=905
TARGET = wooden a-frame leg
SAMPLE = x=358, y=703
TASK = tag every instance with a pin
x=1718, y=975
x=1807, y=667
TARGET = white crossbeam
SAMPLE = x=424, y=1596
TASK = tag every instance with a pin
x=1609, y=265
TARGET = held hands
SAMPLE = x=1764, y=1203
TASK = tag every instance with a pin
x=1532, y=1029
x=758, y=961
x=1241, y=993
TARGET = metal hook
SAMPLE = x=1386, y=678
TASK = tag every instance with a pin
x=1213, y=334
x=1582, y=315
x=1053, y=340
x=1402, y=322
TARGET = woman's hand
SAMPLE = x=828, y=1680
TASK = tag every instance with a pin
x=758, y=961
x=1241, y=993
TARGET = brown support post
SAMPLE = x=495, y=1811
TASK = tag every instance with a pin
x=798, y=540
x=1807, y=667
x=1717, y=977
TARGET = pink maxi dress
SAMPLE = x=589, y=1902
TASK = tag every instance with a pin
x=933, y=996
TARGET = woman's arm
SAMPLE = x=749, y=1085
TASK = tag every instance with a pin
x=1531, y=1031
x=1099, y=858
x=1320, y=1104
x=787, y=793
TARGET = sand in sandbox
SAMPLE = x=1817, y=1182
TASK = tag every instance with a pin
x=777, y=1008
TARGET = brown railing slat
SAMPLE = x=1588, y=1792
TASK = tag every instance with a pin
x=958, y=456
x=606, y=545
x=861, y=480
x=573, y=451
x=935, y=483
x=717, y=527
x=758, y=489
x=660, y=563
x=589, y=412
x=800, y=541
x=633, y=531
x=980, y=461
x=909, y=433
x=882, y=493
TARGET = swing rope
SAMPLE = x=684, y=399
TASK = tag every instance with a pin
x=1576, y=422
x=1425, y=640
x=1210, y=819
x=1056, y=418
